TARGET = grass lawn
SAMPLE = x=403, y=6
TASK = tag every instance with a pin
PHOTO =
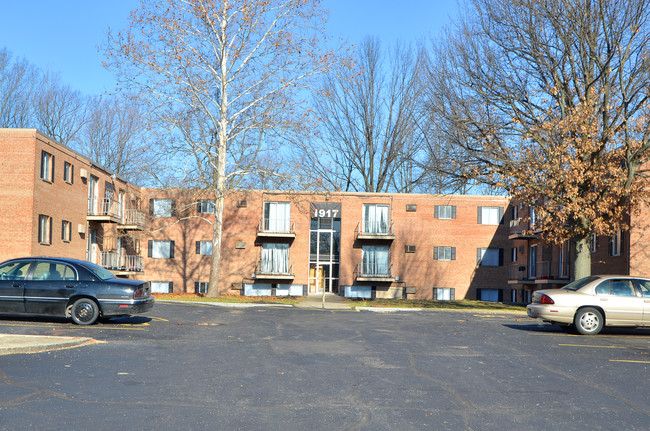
x=465, y=304
x=191, y=297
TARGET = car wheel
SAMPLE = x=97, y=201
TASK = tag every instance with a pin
x=84, y=311
x=588, y=321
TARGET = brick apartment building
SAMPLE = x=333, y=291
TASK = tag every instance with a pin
x=56, y=202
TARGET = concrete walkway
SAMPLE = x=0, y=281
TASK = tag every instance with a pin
x=332, y=302
x=10, y=344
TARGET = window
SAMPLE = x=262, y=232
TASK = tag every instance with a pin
x=593, y=244
x=44, y=229
x=615, y=243
x=514, y=254
x=161, y=207
x=205, y=206
x=445, y=212
x=444, y=293
x=275, y=258
x=201, y=287
x=204, y=248
x=68, y=173
x=162, y=287
x=489, y=256
x=490, y=215
x=616, y=287
x=14, y=270
x=66, y=231
x=375, y=260
x=444, y=253
x=533, y=216
x=53, y=271
x=161, y=249
x=375, y=218
x=277, y=217
x=47, y=166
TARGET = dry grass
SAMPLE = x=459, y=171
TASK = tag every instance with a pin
x=191, y=297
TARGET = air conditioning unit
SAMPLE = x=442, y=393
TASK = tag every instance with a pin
x=81, y=228
x=83, y=173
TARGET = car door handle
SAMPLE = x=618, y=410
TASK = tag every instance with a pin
x=603, y=299
x=18, y=285
x=69, y=287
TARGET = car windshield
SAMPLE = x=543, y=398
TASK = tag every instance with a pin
x=579, y=283
x=100, y=272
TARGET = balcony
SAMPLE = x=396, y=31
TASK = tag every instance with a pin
x=268, y=270
x=544, y=273
x=104, y=210
x=374, y=272
x=520, y=229
x=385, y=233
x=120, y=263
x=132, y=220
x=276, y=228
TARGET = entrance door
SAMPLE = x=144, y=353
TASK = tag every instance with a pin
x=324, y=252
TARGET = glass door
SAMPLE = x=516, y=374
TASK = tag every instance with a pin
x=324, y=254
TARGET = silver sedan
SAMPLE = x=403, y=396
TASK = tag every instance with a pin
x=591, y=303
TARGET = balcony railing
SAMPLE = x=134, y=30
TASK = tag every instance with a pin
x=367, y=271
x=274, y=270
x=373, y=232
x=279, y=228
x=522, y=229
x=542, y=273
x=120, y=262
x=133, y=219
x=103, y=209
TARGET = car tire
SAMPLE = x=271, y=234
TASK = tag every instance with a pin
x=589, y=321
x=84, y=311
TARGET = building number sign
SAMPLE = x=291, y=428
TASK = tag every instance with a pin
x=325, y=210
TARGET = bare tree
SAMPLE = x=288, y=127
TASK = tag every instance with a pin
x=115, y=135
x=366, y=135
x=18, y=80
x=550, y=98
x=223, y=74
x=59, y=111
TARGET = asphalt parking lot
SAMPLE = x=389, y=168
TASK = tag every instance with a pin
x=201, y=367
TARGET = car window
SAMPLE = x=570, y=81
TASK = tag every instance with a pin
x=644, y=287
x=53, y=271
x=616, y=287
x=575, y=285
x=14, y=270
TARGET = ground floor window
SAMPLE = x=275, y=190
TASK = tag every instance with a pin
x=492, y=295
x=201, y=287
x=162, y=287
x=444, y=293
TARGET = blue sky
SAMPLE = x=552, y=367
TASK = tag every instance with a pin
x=63, y=35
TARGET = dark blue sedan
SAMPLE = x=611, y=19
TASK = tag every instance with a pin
x=72, y=288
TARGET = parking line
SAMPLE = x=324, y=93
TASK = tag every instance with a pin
x=597, y=347
x=630, y=361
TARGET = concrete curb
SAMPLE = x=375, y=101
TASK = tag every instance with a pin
x=13, y=344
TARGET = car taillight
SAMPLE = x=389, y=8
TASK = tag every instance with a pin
x=140, y=292
x=547, y=300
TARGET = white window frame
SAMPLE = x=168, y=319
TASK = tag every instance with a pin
x=444, y=253
x=489, y=256
x=593, y=243
x=161, y=287
x=66, y=231
x=375, y=260
x=444, y=293
x=616, y=243
x=490, y=215
x=201, y=287
x=445, y=212
x=162, y=208
x=44, y=229
x=47, y=166
x=206, y=206
x=204, y=248
x=161, y=249
x=275, y=258
x=277, y=217
x=376, y=219
x=68, y=172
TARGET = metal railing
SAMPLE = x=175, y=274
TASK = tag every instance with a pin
x=104, y=207
x=133, y=217
x=373, y=270
x=120, y=262
x=267, y=268
x=267, y=225
x=384, y=231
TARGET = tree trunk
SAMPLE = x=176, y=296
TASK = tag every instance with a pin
x=217, y=229
x=581, y=258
